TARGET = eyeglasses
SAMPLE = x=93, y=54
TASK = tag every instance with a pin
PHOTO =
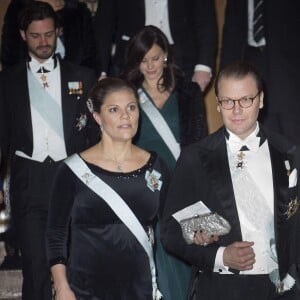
x=243, y=102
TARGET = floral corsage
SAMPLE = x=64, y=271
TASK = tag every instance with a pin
x=153, y=180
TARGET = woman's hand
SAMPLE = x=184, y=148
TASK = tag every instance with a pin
x=203, y=239
x=64, y=293
x=61, y=285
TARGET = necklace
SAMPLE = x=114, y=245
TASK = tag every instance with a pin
x=119, y=164
x=117, y=157
x=119, y=167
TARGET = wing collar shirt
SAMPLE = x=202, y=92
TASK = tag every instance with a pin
x=46, y=141
x=253, y=192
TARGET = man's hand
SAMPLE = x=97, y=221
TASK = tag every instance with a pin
x=203, y=239
x=202, y=78
x=239, y=256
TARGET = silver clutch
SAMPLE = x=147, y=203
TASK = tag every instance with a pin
x=211, y=224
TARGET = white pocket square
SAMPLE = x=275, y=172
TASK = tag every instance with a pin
x=293, y=178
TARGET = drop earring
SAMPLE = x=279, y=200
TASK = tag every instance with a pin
x=165, y=62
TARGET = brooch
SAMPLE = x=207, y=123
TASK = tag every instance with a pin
x=87, y=177
x=81, y=121
x=292, y=208
x=153, y=181
x=75, y=87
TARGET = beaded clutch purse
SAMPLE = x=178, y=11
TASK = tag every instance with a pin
x=210, y=223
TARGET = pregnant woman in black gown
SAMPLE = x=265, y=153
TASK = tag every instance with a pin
x=92, y=254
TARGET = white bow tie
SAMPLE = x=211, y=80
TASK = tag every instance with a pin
x=252, y=144
x=35, y=66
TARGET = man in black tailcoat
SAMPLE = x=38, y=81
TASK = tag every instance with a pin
x=249, y=175
x=43, y=120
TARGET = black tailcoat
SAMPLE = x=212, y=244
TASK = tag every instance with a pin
x=203, y=173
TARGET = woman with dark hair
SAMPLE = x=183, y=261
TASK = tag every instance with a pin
x=106, y=258
x=76, y=40
x=172, y=116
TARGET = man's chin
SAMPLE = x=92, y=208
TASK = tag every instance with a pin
x=45, y=55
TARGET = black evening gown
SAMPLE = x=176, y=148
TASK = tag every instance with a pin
x=104, y=259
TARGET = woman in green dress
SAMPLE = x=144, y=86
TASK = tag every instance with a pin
x=172, y=116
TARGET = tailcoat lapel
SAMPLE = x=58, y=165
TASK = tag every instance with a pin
x=283, y=224
x=69, y=102
x=217, y=168
x=22, y=106
x=280, y=185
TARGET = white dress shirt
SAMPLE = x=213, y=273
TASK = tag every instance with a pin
x=253, y=191
x=157, y=14
x=46, y=142
x=254, y=196
x=251, y=40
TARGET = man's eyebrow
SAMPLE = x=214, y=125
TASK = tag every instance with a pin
x=39, y=33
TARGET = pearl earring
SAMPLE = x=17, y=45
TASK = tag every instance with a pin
x=165, y=62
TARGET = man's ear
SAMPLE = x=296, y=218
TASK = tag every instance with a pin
x=261, y=100
x=218, y=106
x=23, y=35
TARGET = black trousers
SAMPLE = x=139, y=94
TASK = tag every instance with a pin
x=31, y=184
x=239, y=287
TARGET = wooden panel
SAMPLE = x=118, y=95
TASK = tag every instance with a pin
x=213, y=117
x=3, y=7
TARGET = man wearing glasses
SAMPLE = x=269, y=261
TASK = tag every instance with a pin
x=248, y=175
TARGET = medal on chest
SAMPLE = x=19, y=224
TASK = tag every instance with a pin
x=240, y=163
